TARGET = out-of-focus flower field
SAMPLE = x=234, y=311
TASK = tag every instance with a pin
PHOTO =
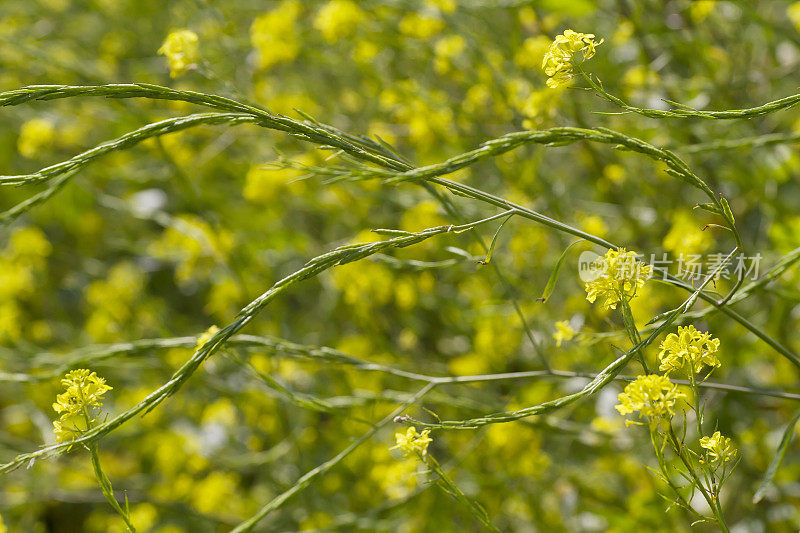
x=123, y=265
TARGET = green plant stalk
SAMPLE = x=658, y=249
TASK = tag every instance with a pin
x=102, y=479
x=603, y=378
x=684, y=111
x=106, y=488
x=365, y=149
x=452, y=489
x=284, y=348
x=713, y=503
x=339, y=256
x=453, y=211
x=662, y=464
x=322, y=469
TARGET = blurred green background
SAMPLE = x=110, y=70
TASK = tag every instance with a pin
x=179, y=233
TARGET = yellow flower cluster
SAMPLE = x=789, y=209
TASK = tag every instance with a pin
x=194, y=245
x=35, y=135
x=274, y=35
x=446, y=50
x=181, y=49
x=685, y=237
x=421, y=26
x=77, y=406
x=619, y=278
x=115, y=302
x=564, y=332
x=719, y=447
x=22, y=261
x=690, y=346
x=653, y=396
x=413, y=442
x=557, y=63
x=337, y=19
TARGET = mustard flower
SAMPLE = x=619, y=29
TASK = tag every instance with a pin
x=35, y=135
x=181, y=49
x=690, y=346
x=719, y=447
x=653, y=396
x=413, y=442
x=558, y=61
x=564, y=332
x=78, y=405
x=620, y=277
x=274, y=34
x=338, y=18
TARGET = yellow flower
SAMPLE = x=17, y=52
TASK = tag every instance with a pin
x=446, y=50
x=181, y=49
x=35, y=135
x=685, y=237
x=413, y=442
x=84, y=389
x=448, y=6
x=620, y=276
x=688, y=346
x=337, y=19
x=719, y=447
x=557, y=62
x=421, y=26
x=793, y=12
x=653, y=396
x=274, y=35
x=564, y=332
x=206, y=336
x=78, y=405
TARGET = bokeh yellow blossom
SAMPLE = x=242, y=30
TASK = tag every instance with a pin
x=338, y=18
x=182, y=51
x=686, y=237
x=564, y=332
x=34, y=136
x=274, y=35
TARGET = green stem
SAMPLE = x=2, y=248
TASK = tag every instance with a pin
x=108, y=491
x=662, y=464
x=102, y=479
x=712, y=501
x=451, y=488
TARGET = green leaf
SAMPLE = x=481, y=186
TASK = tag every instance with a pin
x=727, y=210
x=660, y=317
x=709, y=207
x=776, y=459
x=551, y=283
x=494, y=241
